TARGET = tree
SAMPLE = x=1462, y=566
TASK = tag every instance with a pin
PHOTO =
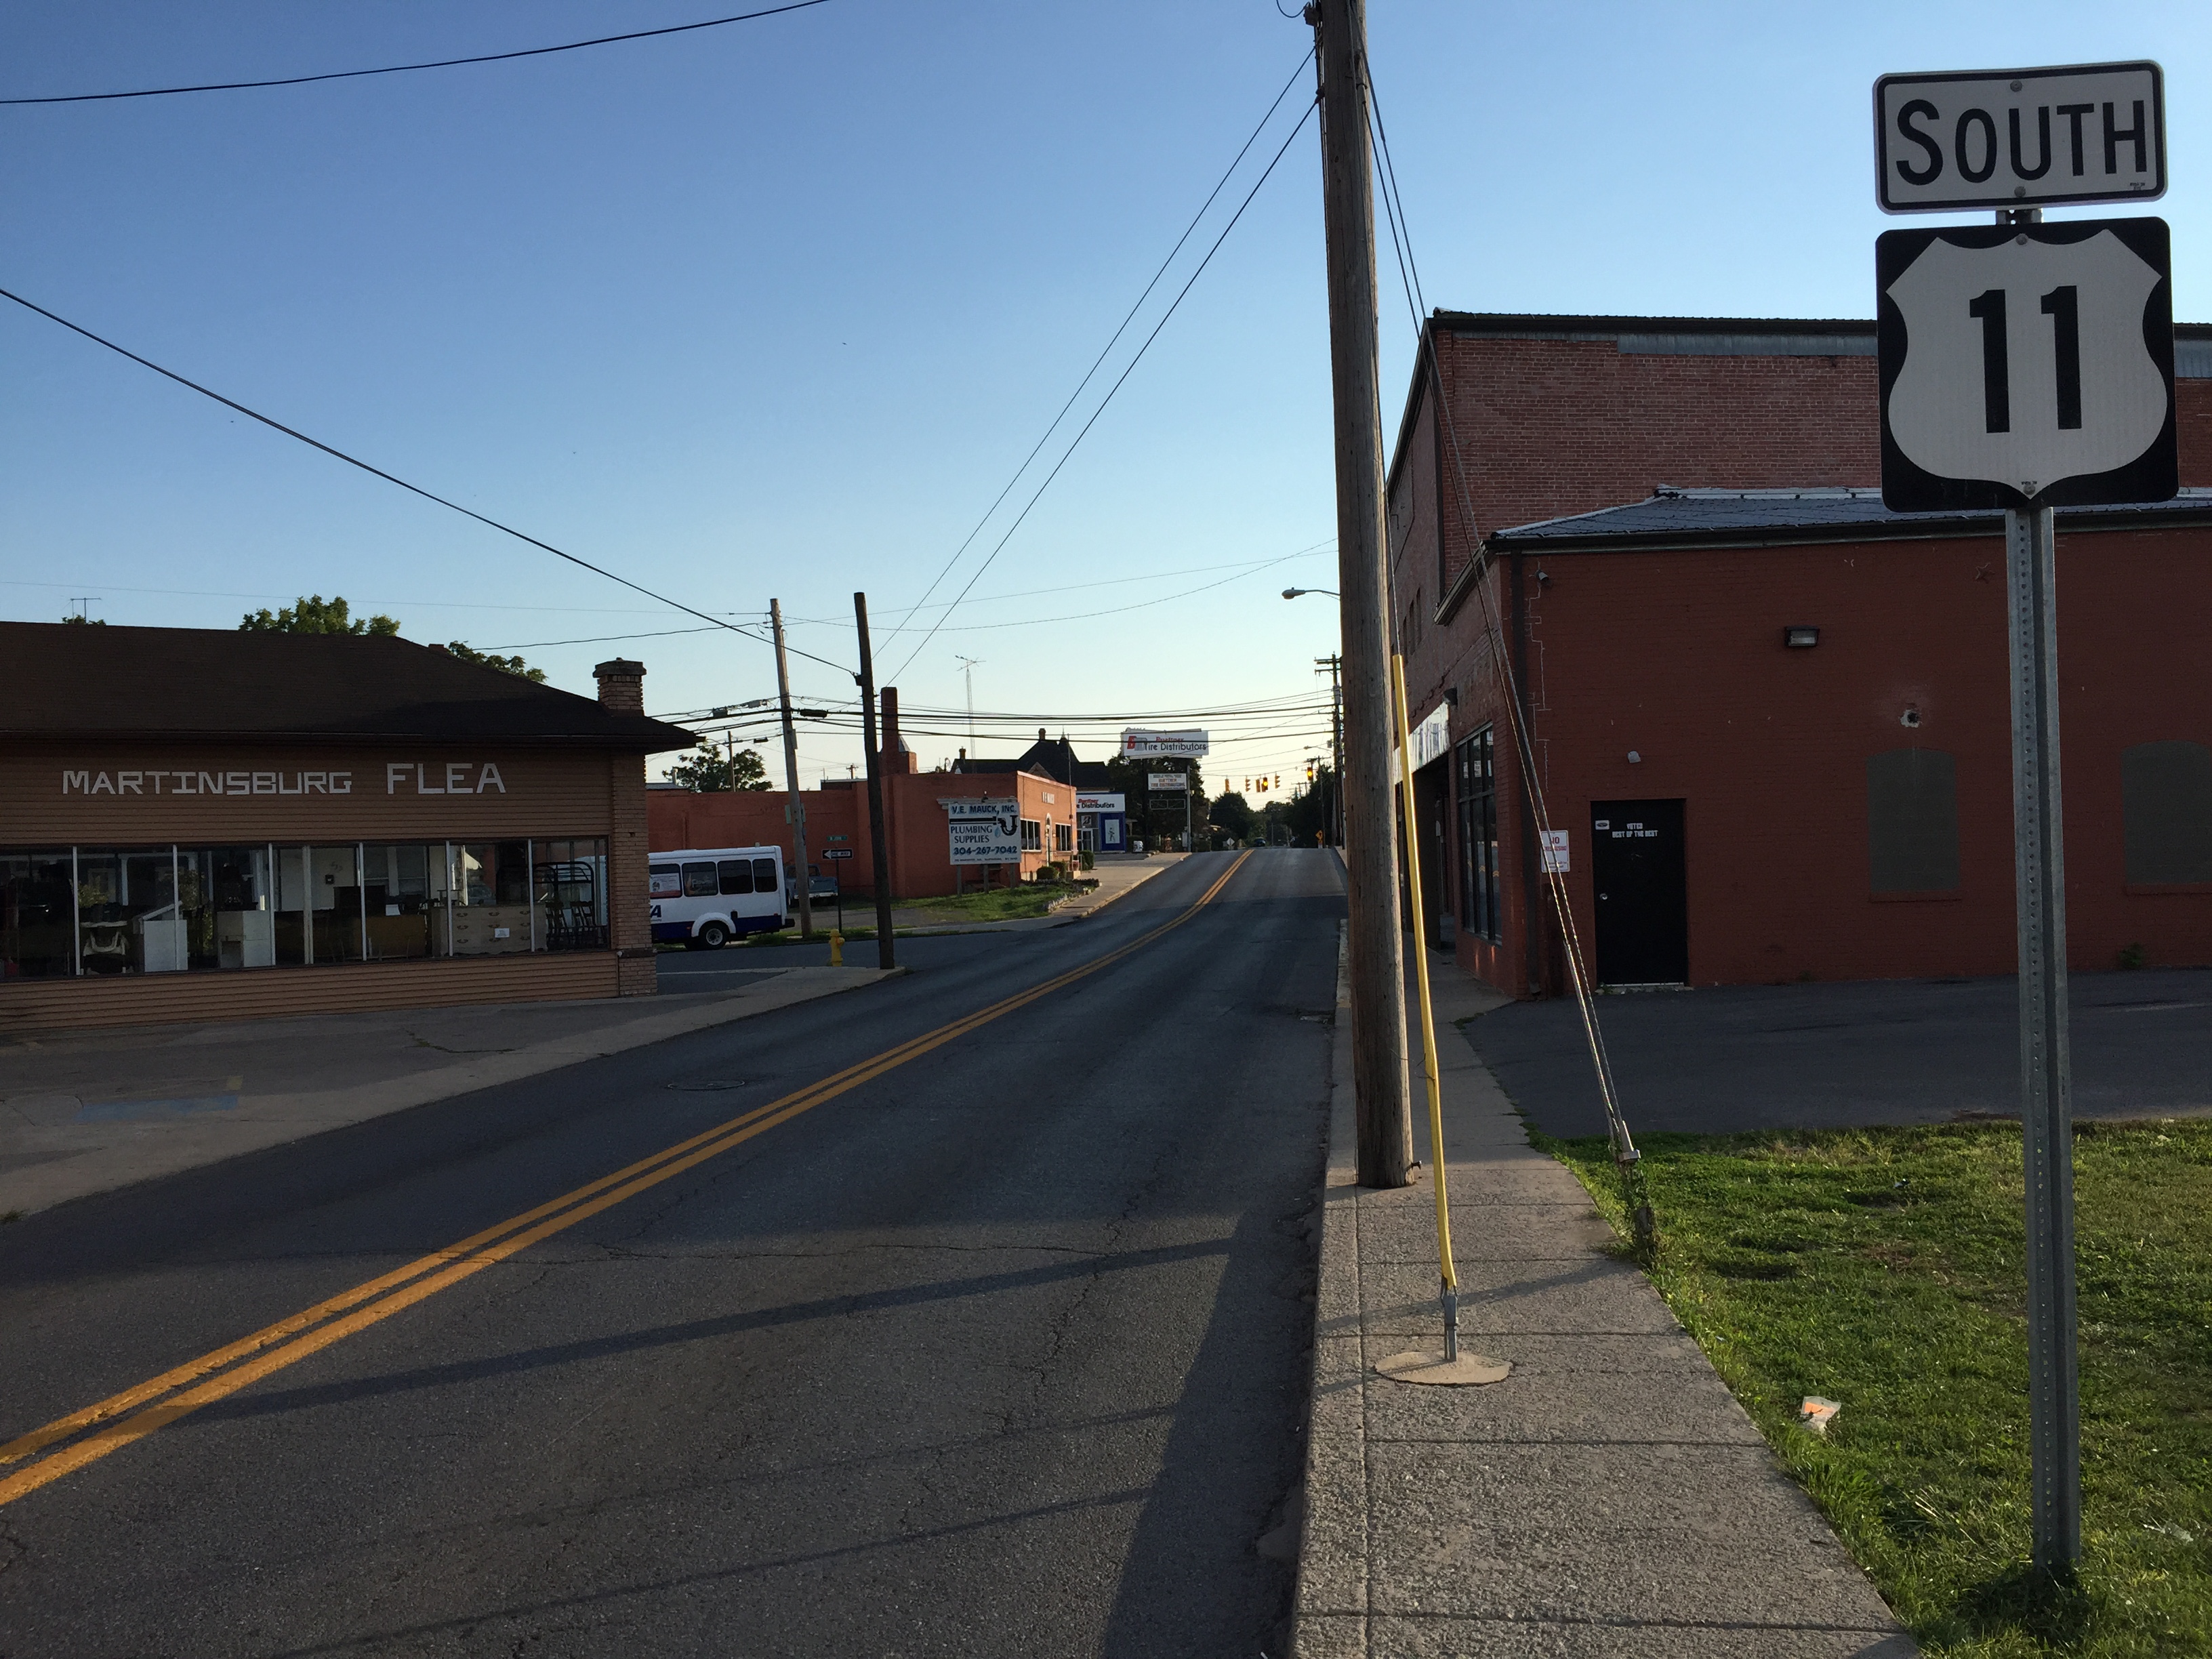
x=1231, y=812
x=490, y=659
x=1157, y=820
x=708, y=768
x=88, y=622
x=315, y=615
x=1308, y=813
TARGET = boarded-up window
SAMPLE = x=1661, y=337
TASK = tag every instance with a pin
x=1912, y=822
x=2165, y=796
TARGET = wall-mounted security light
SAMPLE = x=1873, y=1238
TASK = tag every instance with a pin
x=1801, y=638
x=1910, y=718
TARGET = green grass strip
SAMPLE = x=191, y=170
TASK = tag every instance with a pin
x=1883, y=1268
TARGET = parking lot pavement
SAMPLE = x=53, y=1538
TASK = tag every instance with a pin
x=1829, y=1057
x=88, y=1111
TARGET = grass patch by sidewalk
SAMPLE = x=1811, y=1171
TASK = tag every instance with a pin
x=993, y=904
x=1883, y=1268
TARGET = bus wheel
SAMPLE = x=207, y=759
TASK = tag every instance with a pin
x=712, y=936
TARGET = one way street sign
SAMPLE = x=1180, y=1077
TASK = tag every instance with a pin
x=2026, y=365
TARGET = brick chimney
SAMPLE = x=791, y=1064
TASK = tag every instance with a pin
x=622, y=685
x=895, y=758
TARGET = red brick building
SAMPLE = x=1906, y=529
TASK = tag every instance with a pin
x=1621, y=517
x=915, y=822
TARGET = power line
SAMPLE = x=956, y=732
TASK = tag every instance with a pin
x=1077, y=587
x=1227, y=173
x=1243, y=570
x=403, y=69
x=1077, y=442
x=415, y=489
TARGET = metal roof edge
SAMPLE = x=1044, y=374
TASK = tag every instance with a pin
x=1963, y=527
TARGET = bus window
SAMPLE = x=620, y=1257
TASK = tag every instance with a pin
x=736, y=875
x=764, y=875
x=667, y=881
x=699, y=881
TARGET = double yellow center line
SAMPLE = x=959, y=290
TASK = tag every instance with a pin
x=68, y=1443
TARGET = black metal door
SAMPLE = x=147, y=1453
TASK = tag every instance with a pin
x=1643, y=892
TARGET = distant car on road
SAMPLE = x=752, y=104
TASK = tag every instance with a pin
x=820, y=889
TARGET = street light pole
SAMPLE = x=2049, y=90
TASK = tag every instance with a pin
x=1381, y=1088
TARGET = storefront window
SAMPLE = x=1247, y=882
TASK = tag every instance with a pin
x=127, y=912
x=37, y=916
x=403, y=889
x=226, y=901
x=1478, y=836
x=292, y=912
x=568, y=882
x=492, y=915
x=104, y=911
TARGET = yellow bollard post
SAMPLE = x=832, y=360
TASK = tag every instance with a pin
x=1420, y=1365
x=836, y=949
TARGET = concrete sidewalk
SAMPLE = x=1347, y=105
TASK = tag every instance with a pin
x=84, y=1112
x=1608, y=1498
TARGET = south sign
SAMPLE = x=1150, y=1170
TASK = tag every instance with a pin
x=2026, y=366
x=2016, y=138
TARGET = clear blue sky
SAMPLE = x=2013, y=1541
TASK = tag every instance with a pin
x=776, y=309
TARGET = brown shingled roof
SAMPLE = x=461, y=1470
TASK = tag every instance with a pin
x=60, y=680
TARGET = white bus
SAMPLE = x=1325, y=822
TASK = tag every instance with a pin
x=705, y=897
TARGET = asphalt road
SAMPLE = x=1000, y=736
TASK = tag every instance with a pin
x=1000, y=1352
x=1745, y=1058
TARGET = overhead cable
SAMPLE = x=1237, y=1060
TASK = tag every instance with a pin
x=1122, y=378
x=403, y=69
x=1088, y=373
x=414, y=490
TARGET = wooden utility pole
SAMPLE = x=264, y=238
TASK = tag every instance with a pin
x=1334, y=665
x=879, y=841
x=1381, y=1088
x=798, y=807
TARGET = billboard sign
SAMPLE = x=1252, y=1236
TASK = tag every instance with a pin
x=984, y=831
x=1101, y=803
x=1140, y=743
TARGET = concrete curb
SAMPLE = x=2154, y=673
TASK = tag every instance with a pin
x=1609, y=1499
x=147, y=1151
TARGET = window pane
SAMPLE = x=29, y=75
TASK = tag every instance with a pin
x=570, y=889
x=226, y=901
x=667, y=880
x=700, y=881
x=764, y=875
x=36, y=918
x=396, y=891
x=736, y=875
x=491, y=898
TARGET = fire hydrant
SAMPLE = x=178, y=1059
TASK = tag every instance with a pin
x=836, y=949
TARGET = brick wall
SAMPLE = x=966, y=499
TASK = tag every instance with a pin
x=1546, y=428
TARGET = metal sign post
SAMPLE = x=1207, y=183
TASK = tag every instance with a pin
x=2054, y=1409
x=2029, y=366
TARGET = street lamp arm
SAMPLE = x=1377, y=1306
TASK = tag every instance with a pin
x=1296, y=593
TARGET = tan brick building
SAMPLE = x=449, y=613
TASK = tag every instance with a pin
x=199, y=824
